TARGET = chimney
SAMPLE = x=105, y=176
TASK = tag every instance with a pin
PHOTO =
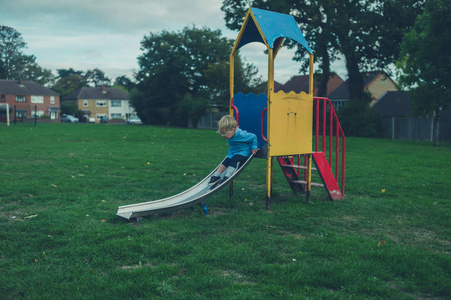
x=103, y=89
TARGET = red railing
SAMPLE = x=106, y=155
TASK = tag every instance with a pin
x=237, y=114
x=333, y=135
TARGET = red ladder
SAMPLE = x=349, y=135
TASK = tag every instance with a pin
x=325, y=167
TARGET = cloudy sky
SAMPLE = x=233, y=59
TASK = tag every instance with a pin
x=106, y=34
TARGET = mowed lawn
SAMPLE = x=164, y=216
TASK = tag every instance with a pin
x=60, y=238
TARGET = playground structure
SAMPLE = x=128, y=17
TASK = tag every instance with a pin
x=283, y=123
x=289, y=117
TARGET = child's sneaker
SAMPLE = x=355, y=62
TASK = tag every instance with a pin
x=214, y=180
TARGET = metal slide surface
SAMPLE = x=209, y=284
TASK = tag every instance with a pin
x=188, y=198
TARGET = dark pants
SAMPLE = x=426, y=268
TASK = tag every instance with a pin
x=235, y=161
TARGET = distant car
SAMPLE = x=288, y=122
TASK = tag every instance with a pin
x=134, y=120
x=68, y=119
x=103, y=120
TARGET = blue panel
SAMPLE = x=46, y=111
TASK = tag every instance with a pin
x=250, y=108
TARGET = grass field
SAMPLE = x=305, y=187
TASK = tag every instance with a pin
x=60, y=238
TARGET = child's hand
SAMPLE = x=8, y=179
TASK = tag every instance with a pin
x=254, y=151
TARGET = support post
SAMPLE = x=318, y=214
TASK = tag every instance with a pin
x=231, y=189
x=268, y=126
x=268, y=181
x=7, y=114
x=231, y=81
x=309, y=176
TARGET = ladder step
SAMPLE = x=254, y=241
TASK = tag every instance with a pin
x=305, y=182
x=297, y=167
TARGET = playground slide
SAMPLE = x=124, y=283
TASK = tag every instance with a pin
x=186, y=199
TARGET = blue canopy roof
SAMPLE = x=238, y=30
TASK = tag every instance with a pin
x=273, y=26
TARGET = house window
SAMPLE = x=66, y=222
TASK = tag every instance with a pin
x=21, y=113
x=116, y=103
x=37, y=99
x=100, y=116
x=101, y=103
x=116, y=116
x=52, y=99
x=21, y=99
x=39, y=113
x=3, y=98
x=85, y=103
x=338, y=104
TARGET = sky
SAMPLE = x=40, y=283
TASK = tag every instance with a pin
x=106, y=34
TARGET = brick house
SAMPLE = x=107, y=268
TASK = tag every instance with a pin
x=27, y=99
x=98, y=102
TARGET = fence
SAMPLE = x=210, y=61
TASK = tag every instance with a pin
x=210, y=120
x=415, y=129
x=397, y=128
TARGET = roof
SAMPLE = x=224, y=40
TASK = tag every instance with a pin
x=15, y=87
x=342, y=92
x=107, y=93
x=393, y=104
x=300, y=83
x=269, y=28
x=296, y=84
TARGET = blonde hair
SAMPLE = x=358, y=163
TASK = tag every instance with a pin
x=227, y=124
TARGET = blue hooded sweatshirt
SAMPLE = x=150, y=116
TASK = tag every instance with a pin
x=242, y=143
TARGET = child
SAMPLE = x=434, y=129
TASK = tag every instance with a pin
x=241, y=145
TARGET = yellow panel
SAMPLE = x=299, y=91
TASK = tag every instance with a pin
x=291, y=121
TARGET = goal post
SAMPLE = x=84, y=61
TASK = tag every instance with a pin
x=6, y=112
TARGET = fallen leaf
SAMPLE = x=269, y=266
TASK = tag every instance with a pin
x=30, y=216
x=103, y=220
x=381, y=243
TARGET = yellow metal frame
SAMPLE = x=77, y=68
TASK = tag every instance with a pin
x=289, y=116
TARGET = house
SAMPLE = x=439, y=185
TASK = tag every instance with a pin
x=393, y=104
x=376, y=83
x=300, y=83
x=27, y=99
x=98, y=102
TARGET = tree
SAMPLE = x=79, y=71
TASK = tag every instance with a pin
x=426, y=59
x=365, y=32
x=14, y=64
x=68, y=72
x=96, y=77
x=33, y=72
x=13, y=60
x=11, y=45
x=125, y=82
x=67, y=84
x=180, y=74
